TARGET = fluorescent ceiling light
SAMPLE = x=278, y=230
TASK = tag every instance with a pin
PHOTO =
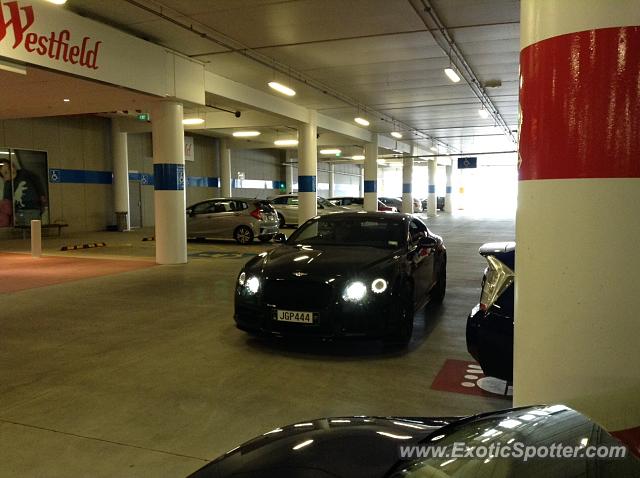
x=330, y=151
x=434, y=149
x=280, y=88
x=57, y=2
x=382, y=161
x=357, y=156
x=361, y=121
x=483, y=113
x=12, y=67
x=451, y=73
x=246, y=134
x=191, y=121
x=66, y=100
x=397, y=135
x=286, y=142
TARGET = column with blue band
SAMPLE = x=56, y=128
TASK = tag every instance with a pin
x=406, y=188
x=432, y=189
x=168, y=177
x=307, y=184
x=370, y=186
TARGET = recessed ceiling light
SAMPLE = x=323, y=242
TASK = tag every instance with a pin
x=357, y=156
x=191, y=121
x=286, y=142
x=66, y=100
x=57, y=2
x=395, y=134
x=361, y=121
x=280, y=88
x=452, y=74
x=330, y=151
x=246, y=134
x=483, y=113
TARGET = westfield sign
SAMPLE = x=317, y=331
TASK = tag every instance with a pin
x=15, y=22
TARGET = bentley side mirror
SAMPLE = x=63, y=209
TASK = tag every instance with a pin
x=279, y=237
x=427, y=241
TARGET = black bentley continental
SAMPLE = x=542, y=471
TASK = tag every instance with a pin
x=360, y=274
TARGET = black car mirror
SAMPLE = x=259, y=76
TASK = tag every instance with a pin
x=279, y=237
x=427, y=241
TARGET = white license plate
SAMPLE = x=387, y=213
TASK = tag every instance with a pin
x=295, y=316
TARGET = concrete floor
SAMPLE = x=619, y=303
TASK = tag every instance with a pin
x=143, y=374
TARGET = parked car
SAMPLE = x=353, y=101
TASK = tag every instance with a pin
x=371, y=447
x=357, y=203
x=286, y=205
x=439, y=203
x=242, y=219
x=360, y=274
x=397, y=203
x=490, y=323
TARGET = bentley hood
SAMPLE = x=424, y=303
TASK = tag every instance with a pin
x=322, y=261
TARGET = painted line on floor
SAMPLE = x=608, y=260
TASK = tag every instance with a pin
x=88, y=245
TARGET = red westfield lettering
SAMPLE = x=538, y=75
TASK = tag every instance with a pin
x=56, y=46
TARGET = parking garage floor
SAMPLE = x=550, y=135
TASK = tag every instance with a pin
x=141, y=372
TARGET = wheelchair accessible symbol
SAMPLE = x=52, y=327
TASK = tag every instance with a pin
x=54, y=176
x=180, y=177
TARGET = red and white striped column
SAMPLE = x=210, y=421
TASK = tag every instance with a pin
x=577, y=332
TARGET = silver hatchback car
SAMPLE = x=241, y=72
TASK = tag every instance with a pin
x=242, y=219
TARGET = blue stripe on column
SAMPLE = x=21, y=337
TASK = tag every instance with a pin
x=306, y=184
x=168, y=177
x=135, y=176
x=432, y=189
x=406, y=188
x=213, y=182
x=449, y=189
x=370, y=186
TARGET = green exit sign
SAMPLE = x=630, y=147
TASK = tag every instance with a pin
x=143, y=117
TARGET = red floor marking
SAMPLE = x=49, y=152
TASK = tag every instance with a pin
x=455, y=373
x=21, y=271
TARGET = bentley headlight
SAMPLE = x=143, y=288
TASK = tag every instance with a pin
x=242, y=278
x=355, y=291
x=379, y=285
x=253, y=284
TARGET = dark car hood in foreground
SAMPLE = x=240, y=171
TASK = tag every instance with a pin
x=341, y=447
x=368, y=447
x=320, y=261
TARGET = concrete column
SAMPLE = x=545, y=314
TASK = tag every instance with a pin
x=407, y=182
x=332, y=180
x=371, y=174
x=577, y=226
x=168, y=176
x=432, y=200
x=288, y=170
x=225, y=170
x=120, y=170
x=308, y=169
x=361, y=181
x=448, y=198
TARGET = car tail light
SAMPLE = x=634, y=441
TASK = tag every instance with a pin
x=257, y=213
x=498, y=278
x=384, y=208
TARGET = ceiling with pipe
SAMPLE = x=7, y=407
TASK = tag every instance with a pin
x=380, y=59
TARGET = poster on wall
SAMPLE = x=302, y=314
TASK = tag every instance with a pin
x=188, y=148
x=23, y=187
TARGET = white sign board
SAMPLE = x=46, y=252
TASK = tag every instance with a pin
x=40, y=33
